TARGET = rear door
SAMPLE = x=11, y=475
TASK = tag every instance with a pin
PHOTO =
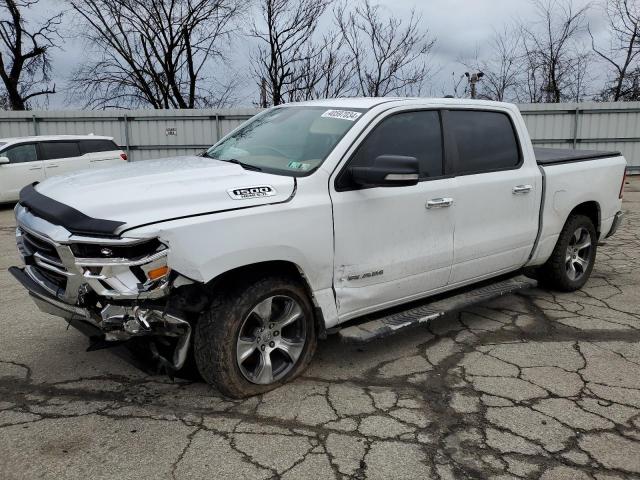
x=391, y=244
x=62, y=157
x=497, y=197
x=23, y=168
x=101, y=152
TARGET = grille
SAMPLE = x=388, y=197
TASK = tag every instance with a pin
x=44, y=262
x=45, y=249
x=54, y=281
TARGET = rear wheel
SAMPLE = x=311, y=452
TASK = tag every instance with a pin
x=573, y=257
x=256, y=337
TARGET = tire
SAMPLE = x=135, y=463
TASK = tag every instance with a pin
x=230, y=348
x=573, y=257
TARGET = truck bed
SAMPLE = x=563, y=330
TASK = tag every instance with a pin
x=552, y=156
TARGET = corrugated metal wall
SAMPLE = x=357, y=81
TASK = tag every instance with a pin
x=144, y=134
x=161, y=133
x=588, y=126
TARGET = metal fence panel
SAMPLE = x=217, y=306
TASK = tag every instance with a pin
x=588, y=126
x=146, y=134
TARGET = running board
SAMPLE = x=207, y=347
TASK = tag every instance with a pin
x=383, y=326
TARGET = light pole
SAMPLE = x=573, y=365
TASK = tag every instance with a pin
x=473, y=79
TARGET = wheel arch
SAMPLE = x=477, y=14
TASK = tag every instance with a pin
x=590, y=209
x=271, y=267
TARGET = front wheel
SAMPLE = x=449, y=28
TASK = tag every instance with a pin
x=573, y=257
x=256, y=337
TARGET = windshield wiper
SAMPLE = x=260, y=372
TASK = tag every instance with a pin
x=246, y=166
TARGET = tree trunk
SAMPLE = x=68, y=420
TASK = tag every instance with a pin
x=15, y=99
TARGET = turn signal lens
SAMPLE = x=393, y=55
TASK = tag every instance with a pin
x=123, y=156
x=157, y=273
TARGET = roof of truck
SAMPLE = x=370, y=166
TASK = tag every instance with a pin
x=370, y=102
x=48, y=138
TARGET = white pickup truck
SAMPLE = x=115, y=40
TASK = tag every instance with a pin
x=353, y=216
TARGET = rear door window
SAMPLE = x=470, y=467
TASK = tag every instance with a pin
x=21, y=153
x=54, y=150
x=486, y=141
x=99, y=145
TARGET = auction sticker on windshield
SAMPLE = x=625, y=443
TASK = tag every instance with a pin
x=251, y=192
x=342, y=115
x=299, y=166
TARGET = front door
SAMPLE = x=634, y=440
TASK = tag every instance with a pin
x=393, y=244
x=23, y=168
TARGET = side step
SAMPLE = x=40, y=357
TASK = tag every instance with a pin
x=383, y=326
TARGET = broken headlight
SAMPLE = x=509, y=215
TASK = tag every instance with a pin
x=124, y=271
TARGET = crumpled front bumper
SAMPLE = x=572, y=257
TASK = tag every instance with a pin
x=114, y=322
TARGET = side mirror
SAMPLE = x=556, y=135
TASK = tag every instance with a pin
x=388, y=171
x=4, y=160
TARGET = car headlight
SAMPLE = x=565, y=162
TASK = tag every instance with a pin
x=124, y=270
x=131, y=251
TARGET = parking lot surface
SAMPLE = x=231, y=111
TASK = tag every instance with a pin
x=533, y=385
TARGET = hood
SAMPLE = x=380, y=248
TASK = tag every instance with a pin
x=152, y=191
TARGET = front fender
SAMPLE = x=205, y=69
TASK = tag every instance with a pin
x=205, y=247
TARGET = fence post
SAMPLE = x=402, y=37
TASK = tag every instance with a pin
x=126, y=136
x=576, y=126
x=217, y=128
x=36, y=130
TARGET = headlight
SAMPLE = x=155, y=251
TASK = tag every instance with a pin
x=124, y=270
x=130, y=252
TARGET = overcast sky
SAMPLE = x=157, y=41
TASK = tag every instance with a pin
x=460, y=27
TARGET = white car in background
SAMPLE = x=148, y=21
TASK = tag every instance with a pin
x=27, y=160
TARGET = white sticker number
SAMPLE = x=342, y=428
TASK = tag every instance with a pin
x=342, y=115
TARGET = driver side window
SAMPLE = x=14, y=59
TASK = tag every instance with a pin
x=21, y=153
x=411, y=134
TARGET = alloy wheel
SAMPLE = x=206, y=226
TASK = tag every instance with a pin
x=578, y=254
x=271, y=339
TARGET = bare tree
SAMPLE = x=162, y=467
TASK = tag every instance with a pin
x=159, y=53
x=458, y=88
x=554, y=59
x=501, y=65
x=631, y=86
x=287, y=58
x=577, y=89
x=623, y=51
x=324, y=73
x=389, y=55
x=25, y=64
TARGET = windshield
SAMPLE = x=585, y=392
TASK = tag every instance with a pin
x=289, y=141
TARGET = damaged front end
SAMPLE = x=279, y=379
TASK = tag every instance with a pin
x=114, y=289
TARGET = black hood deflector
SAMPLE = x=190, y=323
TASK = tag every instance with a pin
x=68, y=217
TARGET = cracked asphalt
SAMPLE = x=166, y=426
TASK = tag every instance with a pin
x=532, y=385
